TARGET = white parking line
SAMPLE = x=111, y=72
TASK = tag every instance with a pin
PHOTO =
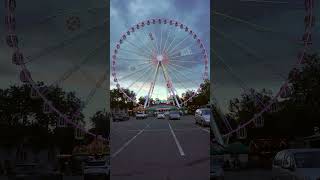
x=128, y=142
x=206, y=130
x=176, y=140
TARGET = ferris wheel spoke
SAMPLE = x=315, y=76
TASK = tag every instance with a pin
x=133, y=59
x=76, y=67
x=94, y=90
x=156, y=43
x=183, y=75
x=239, y=20
x=230, y=70
x=145, y=82
x=165, y=50
x=241, y=83
x=186, y=68
x=187, y=47
x=250, y=51
x=179, y=81
x=89, y=77
x=140, y=77
x=133, y=52
x=165, y=43
x=160, y=50
x=151, y=41
x=184, y=56
x=138, y=48
x=178, y=44
x=64, y=13
x=62, y=44
x=129, y=75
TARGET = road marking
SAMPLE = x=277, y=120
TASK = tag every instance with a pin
x=176, y=140
x=206, y=130
x=128, y=142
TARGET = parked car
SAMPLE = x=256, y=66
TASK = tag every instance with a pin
x=120, y=117
x=301, y=164
x=216, y=167
x=141, y=115
x=34, y=171
x=161, y=116
x=97, y=169
x=202, y=116
x=174, y=115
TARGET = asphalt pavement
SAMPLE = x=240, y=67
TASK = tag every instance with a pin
x=159, y=149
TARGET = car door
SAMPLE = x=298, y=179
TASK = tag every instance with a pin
x=277, y=165
x=286, y=172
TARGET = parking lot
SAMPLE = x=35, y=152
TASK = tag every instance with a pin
x=154, y=149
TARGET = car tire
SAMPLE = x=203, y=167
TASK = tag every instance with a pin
x=202, y=123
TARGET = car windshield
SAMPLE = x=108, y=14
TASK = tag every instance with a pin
x=206, y=112
x=307, y=159
x=174, y=112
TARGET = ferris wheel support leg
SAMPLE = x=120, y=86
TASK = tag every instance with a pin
x=166, y=77
x=152, y=85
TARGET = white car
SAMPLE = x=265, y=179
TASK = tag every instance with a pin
x=97, y=169
x=202, y=116
x=141, y=115
x=297, y=164
x=161, y=116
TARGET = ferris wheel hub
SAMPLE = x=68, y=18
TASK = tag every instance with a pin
x=159, y=58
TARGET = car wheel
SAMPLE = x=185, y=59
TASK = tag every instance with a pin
x=202, y=123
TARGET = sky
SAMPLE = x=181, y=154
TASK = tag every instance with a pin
x=249, y=58
x=236, y=69
x=54, y=50
x=194, y=14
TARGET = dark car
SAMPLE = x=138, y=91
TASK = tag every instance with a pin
x=32, y=171
x=120, y=117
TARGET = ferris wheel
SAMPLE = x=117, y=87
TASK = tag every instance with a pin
x=162, y=55
x=303, y=42
x=41, y=52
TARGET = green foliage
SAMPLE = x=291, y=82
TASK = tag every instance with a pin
x=117, y=100
x=297, y=114
x=101, y=123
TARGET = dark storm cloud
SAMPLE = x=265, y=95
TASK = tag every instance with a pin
x=50, y=53
x=256, y=57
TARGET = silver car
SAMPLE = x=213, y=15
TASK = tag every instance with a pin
x=174, y=115
x=297, y=164
x=202, y=116
x=97, y=169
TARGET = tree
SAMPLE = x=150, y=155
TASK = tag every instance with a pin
x=297, y=114
x=18, y=107
x=142, y=100
x=251, y=102
x=24, y=116
x=201, y=98
x=118, y=100
x=101, y=123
